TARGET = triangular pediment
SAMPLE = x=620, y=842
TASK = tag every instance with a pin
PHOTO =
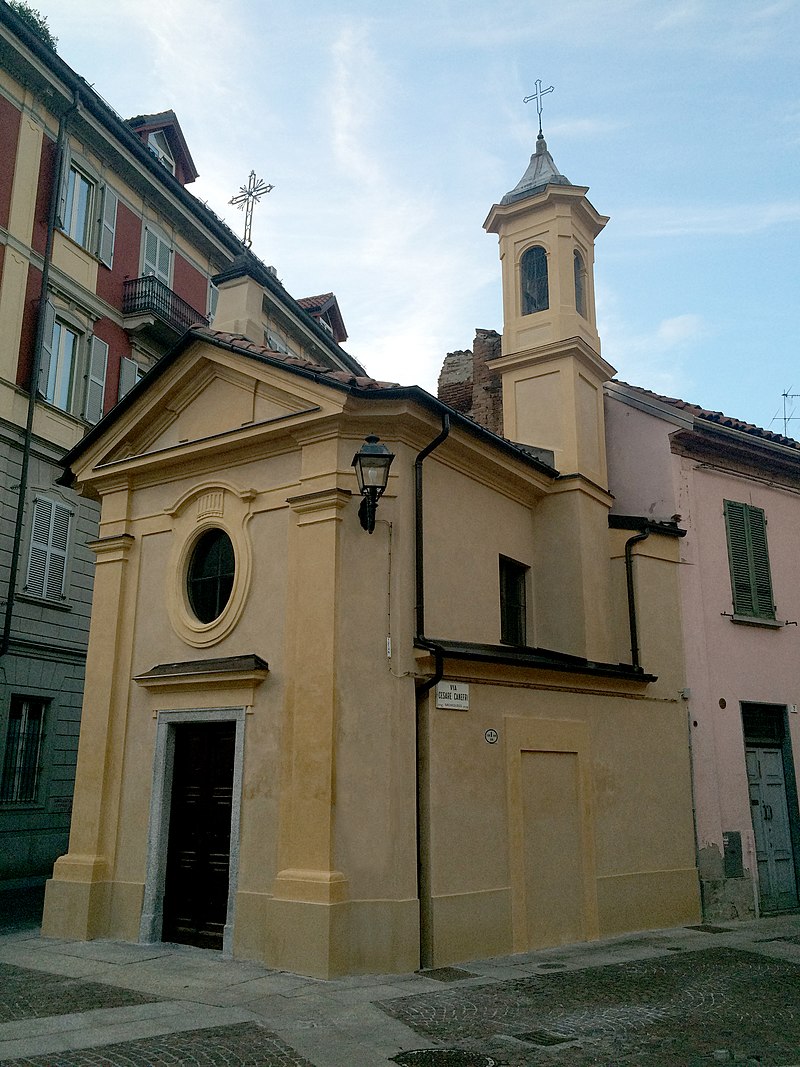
x=210, y=395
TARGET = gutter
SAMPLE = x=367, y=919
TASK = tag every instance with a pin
x=36, y=365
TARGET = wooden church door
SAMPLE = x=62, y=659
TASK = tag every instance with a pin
x=198, y=849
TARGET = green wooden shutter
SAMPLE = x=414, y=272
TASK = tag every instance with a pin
x=762, y=581
x=751, y=583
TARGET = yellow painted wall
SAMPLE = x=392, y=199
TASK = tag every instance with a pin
x=327, y=877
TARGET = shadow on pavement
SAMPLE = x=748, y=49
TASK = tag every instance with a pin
x=21, y=909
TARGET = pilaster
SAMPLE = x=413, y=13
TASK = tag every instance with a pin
x=77, y=896
x=307, y=928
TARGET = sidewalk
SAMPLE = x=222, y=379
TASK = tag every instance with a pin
x=689, y=997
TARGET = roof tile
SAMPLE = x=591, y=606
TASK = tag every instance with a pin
x=718, y=418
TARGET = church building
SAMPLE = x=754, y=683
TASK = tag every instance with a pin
x=344, y=728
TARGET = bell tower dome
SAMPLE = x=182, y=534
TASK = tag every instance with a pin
x=551, y=365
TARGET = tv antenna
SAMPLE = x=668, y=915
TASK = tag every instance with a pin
x=786, y=417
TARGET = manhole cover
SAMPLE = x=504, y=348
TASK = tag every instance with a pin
x=444, y=1057
x=447, y=974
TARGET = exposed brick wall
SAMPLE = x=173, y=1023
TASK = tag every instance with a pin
x=487, y=388
x=455, y=381
x=468, y=383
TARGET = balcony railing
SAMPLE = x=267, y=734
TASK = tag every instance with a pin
x=149, y=296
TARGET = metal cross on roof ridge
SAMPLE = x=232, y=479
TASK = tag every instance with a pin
x=247, y=196
x=537, y=96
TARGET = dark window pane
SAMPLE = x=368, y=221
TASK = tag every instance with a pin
x=23, y=745
x=513, y=611
x=580, y=283
x=535, y=294
x=210, y=577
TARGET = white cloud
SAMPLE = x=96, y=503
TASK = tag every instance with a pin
x=658, y=357
x=696, y=220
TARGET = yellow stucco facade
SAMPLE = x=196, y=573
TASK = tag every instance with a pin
x=375, y=823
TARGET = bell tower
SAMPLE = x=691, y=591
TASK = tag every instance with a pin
x=551, y=365
x=552, y=384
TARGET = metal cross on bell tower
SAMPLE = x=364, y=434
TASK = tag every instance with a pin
x=537, y=96
x=247, y=196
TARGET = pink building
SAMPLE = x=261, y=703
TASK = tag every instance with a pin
x=735, y=489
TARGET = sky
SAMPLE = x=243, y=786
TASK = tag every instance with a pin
x=389, y=130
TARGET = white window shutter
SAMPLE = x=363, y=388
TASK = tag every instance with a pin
x=157, y=255
x=47, y=348
x=107, y=227
x=150, y=252
x=47, y=562
x=129, y=375
x=63, y=179
x=164, y=253
x=96, y=380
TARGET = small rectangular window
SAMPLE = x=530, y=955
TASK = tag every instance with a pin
x=23, y=744
x=751, y=581
x=513, y=602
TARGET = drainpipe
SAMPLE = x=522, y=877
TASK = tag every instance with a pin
x=33, y=383
x=419, y=569
x=421, y=736
x=632, y=596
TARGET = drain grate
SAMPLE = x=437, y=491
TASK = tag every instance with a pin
x=444, y=1057
x=552, y=966
x=447, y=974
x=543, y=1038
x=705, y=928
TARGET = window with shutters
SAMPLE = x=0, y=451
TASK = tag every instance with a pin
x=22, y=750
x=73, y=370
x=78, y=201
x=751, y=583
x=59, y=368
x=88, y=212
x=157, y=256
x=47, y=560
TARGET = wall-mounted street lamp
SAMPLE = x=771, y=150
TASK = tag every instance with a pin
x=372, y=463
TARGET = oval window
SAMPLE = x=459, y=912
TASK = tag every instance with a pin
x=209, y=580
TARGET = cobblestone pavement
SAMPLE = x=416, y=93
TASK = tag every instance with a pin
x=33, y=995
x=666, y=1012
x=246, y=1045
x=687, y=997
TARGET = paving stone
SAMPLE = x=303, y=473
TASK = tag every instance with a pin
x=243, y=1045
x=663, y=1012
x=36, y=994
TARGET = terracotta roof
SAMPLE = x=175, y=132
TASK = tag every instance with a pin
x=243, y=344
x=717, y=418
x=314, y=303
